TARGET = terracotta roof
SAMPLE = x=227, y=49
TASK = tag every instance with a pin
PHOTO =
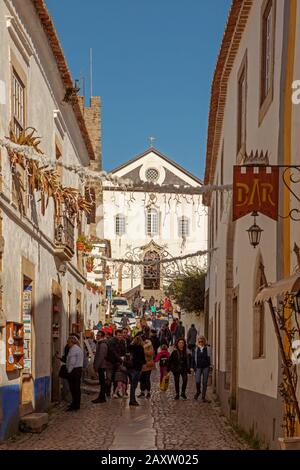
x=237, y=20
x=62, y=66
x=159, y=154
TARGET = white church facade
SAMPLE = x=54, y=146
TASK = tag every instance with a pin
x=160, y=217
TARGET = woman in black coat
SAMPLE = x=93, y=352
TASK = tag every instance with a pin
x=134, y=365
x=179, y=365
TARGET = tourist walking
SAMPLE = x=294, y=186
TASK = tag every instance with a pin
x=162, y=357
x=165, y=335
x=74, y=366
x=116, y=350
x=154, y=340
x=180, y=331
x=173, y=327
x=201, y=365
x=179, y=365
x=145, y=378
x=191, y=337
x=134, y=366
x=100, y=365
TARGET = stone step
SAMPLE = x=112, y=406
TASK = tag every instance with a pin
x=25, y=409
x=34, y=422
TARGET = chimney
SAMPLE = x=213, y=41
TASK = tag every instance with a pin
x=92, y=118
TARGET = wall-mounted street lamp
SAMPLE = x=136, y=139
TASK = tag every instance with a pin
x=254, y=232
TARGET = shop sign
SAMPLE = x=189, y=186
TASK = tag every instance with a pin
x=255, y=188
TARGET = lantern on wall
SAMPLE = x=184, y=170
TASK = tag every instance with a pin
x=254, y=232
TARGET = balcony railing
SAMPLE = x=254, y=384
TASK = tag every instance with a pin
x=64, y=235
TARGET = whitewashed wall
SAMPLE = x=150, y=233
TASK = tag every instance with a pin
x=136, y=236
x=258, y=375
x=33, y=238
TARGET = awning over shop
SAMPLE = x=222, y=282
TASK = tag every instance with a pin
x=284, y=286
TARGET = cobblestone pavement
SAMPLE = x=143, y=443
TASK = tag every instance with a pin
x=160, y=423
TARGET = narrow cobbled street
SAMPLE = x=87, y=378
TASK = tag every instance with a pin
x=159, y=423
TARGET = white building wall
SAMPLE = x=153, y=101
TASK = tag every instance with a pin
x=32, y=237
x=257, y=375
x=115, y=203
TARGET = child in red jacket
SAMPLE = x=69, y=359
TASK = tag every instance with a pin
x=162, y=357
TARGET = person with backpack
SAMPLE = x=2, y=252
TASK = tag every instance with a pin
x=100, y=365
x=162, y=357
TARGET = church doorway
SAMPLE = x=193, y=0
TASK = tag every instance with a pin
x=151, y=272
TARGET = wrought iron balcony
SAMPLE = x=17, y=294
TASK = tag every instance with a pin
x=64, y=238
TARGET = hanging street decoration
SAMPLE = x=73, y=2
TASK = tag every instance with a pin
x=25, y=149
x=41, y=179
x=255, y=189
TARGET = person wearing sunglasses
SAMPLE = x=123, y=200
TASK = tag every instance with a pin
x=201, y=365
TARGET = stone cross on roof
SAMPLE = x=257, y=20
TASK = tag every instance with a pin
x=151, y=141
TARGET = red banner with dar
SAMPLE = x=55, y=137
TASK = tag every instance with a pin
x=255, y=188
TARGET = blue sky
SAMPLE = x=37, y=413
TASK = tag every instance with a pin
x=153, y=62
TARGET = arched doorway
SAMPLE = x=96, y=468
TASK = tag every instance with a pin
x=151, y=273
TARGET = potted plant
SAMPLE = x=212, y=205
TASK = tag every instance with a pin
x=88, y=247
x=81, y=241
x=89, y=264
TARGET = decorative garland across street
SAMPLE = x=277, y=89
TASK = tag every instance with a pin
x=45, y=180
x=31, y=153
x=154, y=262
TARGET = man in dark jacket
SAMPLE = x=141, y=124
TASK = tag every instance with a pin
x=154, y=340
x=100, y=365
x=180, y=331
x=165, y=335
x=191, y=337
x=117, y=352
x=201, y=365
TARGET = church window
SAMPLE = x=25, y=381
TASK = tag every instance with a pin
x=120, y=224
x=183, y=226
x=152, y=222
x=152, y=175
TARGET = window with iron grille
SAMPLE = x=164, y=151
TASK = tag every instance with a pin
x=120, y=224
x=18, y=104
x=152, y=175
x=152, y=222
x=183, y=226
